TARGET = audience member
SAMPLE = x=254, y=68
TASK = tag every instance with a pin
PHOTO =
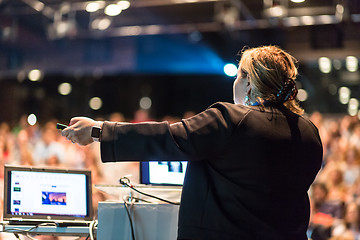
x=141, y=115
x=350, y=225
x=325, y=214
x=48, y=147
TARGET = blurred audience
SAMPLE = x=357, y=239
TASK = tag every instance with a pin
x=141, y=115
x=349, y=227
x=334, y=197
x=48, y=150
x=325, y=213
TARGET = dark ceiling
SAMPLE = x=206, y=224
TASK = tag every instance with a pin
x=172, y=37
x=31, y=27
x=24, y=23
x=176, y=15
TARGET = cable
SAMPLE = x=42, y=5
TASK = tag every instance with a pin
x=130, y=220
x=136, y=199
x=17, y=236
x=91, y=229
x=126, y=181
x=17, y=231
x=28, y=235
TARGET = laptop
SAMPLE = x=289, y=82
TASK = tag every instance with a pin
x=34, y=196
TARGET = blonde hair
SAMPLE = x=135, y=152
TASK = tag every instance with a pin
x=269, y=70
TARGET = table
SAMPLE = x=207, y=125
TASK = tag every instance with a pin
x=46, y=230
x=150, y=221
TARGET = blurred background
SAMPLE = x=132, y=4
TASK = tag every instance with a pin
x=59, y=59
x=142, y=60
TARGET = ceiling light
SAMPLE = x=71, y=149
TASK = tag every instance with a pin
x=123, y=4
x=277, y=11
x=344, y=95
x=292, y=21
x=326, y=19
x=351, y=63
x=32, y=119
x=308, y=20
x=339, y=8
x=64, y=88
x=145, y=103
x=113, y=10
x=302, y=95
x=298, y=1
x=353, y=107
x=34, y=75
x=101, y=23
x=95, y=103
x=104, y=23
x=324, y=64
x=92, y=7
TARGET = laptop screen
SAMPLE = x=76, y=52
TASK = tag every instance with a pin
x=51, y=194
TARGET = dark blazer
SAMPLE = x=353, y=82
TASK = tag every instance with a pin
x=248, y=174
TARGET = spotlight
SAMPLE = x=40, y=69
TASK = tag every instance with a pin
x=113, y=10
x=230, y=69
x=32, y=119
x=344, y=95
x=352, y=63
x=353, y=107
x=34, y=75
x=145, y=103
x=324, y=64
x=64, y=88
x=123, y=4
x=95, y=103
x=302, y=95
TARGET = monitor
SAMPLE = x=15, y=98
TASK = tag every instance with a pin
x=163, y=172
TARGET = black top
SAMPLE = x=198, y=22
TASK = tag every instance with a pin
x=248, y=173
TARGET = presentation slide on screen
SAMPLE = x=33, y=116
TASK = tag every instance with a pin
x=48, y=193
x=169, y=172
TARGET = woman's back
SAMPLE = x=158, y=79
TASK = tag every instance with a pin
x=256, y=183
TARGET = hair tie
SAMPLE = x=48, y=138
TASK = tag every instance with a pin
x=288, y=91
